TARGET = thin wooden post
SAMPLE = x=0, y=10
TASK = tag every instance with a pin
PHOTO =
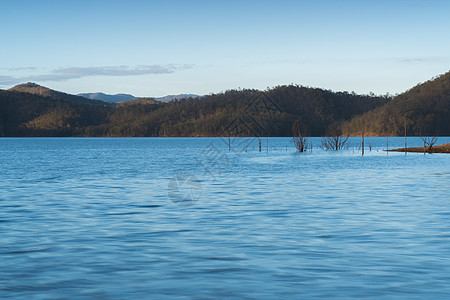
x=362, y=143
x=405, y=139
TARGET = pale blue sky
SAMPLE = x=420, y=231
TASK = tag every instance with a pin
x=155, y=48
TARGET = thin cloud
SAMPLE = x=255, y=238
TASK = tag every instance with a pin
x=415, y=60
x=64, y=74
x=19, y=69
x=418, y=59
x=7, y=80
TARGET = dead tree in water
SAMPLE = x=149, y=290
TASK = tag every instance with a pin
x=406, y=123
x=362, y=141
x=428, y=141
x=335, y=141
x=299, y=136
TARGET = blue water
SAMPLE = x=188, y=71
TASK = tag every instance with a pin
x=138, y=218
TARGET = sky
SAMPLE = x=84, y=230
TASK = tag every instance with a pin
x=157, y=48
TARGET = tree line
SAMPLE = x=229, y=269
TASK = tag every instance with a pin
x=322, y=113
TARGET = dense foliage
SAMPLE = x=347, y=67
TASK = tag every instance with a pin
x=24, y=114
x=424, y=109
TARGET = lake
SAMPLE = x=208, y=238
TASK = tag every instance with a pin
x=187, y=218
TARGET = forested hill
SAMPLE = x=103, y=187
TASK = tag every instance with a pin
x=25, y=114
x=32, y=110
x=422, y=110
x=33, y=88
x=30, y=114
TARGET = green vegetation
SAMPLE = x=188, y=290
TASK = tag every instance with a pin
x=31, y=110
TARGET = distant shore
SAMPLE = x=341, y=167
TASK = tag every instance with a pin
x=444, y=148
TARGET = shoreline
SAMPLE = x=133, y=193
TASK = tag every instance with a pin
x=443, y=148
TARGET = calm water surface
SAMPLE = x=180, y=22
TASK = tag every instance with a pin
x=132, y=218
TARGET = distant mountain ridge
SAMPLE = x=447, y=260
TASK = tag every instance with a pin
x=127, y=97
x=108, y=98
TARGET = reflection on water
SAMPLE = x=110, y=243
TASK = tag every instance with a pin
x=93, y=218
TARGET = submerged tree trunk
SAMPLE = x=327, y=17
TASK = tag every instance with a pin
x=299, y=137
x=362, y=142
x=405, y=138
x=334, y=143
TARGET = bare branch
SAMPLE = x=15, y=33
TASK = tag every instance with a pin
x=299, y=136
x=428, y=141
x=334, y=143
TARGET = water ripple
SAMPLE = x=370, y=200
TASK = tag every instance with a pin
x=91, y=218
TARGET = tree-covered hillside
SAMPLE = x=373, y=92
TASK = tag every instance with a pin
x=30, y=114
x=33, y=88
x=213, y=115
x=423, y=110
x=25, y=114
